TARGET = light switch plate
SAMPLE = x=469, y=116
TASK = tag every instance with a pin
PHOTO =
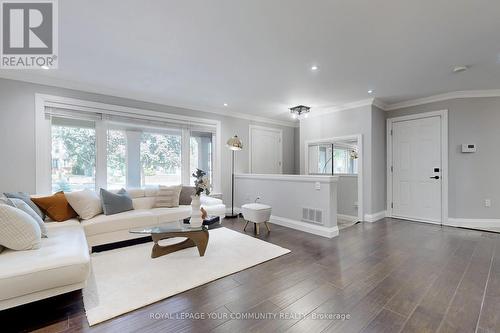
x=317, y=186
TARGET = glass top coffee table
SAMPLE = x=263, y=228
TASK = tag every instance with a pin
x=194, y=237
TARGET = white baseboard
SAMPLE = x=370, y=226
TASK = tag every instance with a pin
x=482, y=224
x=374, y=217
x=479, y=224
x=319, y=230
x=350, y=218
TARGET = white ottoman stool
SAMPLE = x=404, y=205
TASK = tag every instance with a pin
x=256, y=213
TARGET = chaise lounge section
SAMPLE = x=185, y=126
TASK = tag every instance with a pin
x=60, y=265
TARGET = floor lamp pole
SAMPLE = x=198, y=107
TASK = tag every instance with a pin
x=232, y=216
x=232, y=185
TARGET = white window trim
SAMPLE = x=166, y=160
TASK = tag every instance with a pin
x=43, y=136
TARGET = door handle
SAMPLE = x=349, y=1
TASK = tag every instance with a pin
x=435, y=177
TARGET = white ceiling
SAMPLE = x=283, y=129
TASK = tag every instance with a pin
x=256, y=55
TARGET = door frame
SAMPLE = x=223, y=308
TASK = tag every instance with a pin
x=359, y=138
x=444, y=159
x=250, y=141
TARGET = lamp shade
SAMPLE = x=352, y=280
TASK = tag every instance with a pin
x=234, y=143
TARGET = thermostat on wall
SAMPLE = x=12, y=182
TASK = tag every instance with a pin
x=469, y=148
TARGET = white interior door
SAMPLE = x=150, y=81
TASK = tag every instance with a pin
x=265, y=150
x=417, y=166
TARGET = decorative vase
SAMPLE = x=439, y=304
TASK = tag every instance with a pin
x=196, y=220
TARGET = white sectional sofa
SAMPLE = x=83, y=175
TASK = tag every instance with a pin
x=62, y=264
x=104, y=229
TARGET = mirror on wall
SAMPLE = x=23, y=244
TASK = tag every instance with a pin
x=333, y=158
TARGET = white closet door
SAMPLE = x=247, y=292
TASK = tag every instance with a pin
x=265, y=150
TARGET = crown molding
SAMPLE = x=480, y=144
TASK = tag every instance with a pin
x=87, y=88
x=347, y=106
x=443, y=97
x=380, y=104
x=409, y=103
x=65, y=84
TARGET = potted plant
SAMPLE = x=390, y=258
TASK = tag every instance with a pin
x=201, y=185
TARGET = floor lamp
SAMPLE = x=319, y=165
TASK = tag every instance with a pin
x=234, y=144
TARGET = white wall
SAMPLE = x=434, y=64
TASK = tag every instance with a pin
x=288, y=195
x=472, y=177
x=17, y=137
x=379, y=160
x=347, y=195
x=363, y=120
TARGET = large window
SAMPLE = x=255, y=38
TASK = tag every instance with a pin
x=161, y=159
x=90, y=150
x=73, y=155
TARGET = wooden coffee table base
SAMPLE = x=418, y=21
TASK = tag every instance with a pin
x=194, y=238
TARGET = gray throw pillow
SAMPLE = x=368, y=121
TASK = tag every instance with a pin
x=115, y=203
x=26, y=198
x=186, y=193
x=20, y=204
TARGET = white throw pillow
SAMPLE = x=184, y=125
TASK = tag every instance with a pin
x=18, y=230
x=20, y=204
x=168, y=196
x=86, y=203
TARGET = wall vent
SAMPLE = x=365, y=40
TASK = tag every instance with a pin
x=312, y=215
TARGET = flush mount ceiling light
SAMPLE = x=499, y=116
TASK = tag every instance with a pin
x=300, y=112
x=314, y=67
x=225, y=104
x=459, y=69
x=370, y=91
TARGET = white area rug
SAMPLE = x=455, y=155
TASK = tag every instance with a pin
x=126, y=279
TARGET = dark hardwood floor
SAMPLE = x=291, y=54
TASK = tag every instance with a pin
x=388, y=276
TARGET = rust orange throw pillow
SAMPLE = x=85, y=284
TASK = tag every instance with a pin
x=56, y=207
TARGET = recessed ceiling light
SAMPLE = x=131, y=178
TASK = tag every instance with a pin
x=370, y=91
x=44, y=67
x=459, y=69
x=225, y=104
x=314, y=68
